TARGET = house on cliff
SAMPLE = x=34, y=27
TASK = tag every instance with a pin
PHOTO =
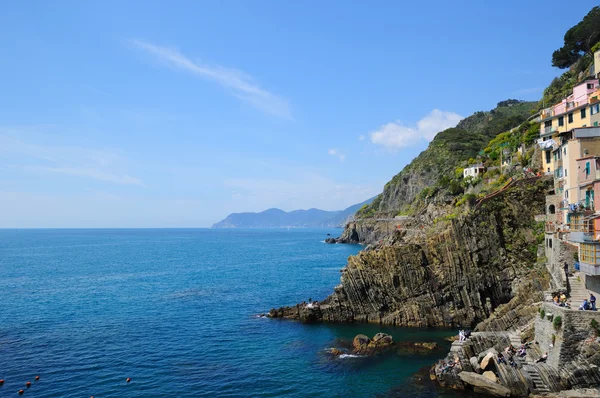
x=580, y=109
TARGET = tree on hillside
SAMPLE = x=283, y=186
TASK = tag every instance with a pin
x=579, y=40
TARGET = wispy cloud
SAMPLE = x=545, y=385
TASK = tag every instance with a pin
x=94, y=173
x=336, y=153
x=95, y=90
x=97, y=164
x=395, y=135
x=239, y=84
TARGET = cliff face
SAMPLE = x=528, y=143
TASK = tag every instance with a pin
x=447, y=150
x=448, y=276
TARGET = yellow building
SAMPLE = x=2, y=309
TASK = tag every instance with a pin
x=572, y=112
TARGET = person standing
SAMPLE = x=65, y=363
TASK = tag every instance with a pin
x=593, y=302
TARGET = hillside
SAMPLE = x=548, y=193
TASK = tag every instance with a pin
x=447, y=150
x=277, y=218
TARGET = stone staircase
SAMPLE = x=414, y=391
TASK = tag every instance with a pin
x=539, y=386
x=578, y=292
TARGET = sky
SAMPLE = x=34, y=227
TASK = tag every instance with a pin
x=175, y=114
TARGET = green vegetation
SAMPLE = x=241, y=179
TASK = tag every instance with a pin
x=557, y=323
x=542, y=313
x=579, y=40
x=595, y=327
x=438, y=171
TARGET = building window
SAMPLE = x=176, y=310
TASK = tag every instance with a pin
x=587, y=169
x=565, y=172
x=590, y=86
x=548, y=158
x=548, y=123
x=583, y=112
x=587, y=253
x=594, y=109
x=561, y=121
x=570, y=118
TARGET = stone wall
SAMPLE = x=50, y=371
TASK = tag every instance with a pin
x=592, y=283
x=575, y=329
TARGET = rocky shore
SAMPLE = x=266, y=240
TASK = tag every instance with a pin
x=456, y=274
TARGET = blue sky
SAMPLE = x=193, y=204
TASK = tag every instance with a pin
x=175, y=114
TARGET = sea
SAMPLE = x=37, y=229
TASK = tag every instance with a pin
x=176, y=311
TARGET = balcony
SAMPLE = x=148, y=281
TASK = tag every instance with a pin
x=546, y=113
x=581, y=208
x=549, y=129
x=594, y=99
x=572, y=104
x=550, y=227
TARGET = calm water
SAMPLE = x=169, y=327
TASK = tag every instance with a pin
x=174, y=310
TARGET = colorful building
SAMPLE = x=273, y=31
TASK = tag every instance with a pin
x=585, y=220
x=572, y=112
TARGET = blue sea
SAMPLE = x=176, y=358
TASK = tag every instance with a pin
x=175, y=311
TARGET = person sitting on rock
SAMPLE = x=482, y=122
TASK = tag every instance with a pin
x=467, y=333
x=461, y=335
x=542, y=358
x=522, y=351
x=555, y=299
x=501, y=359
x=592, y=302
x=584, y=306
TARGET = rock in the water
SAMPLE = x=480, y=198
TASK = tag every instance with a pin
x=427, y=345
x=381, y=340
x=331, y=240
x=360, y=342
x=491, y=376
x=335, y=352
x=483, y=385
x=475, y=364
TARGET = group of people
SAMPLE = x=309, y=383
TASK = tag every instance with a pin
x=447, y=366
x=588, y=305
x=464, y=334
x=560, y=300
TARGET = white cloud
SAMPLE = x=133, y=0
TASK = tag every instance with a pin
x=335, y=152
x=97, y=164
x=240, y=84
x=395, y=135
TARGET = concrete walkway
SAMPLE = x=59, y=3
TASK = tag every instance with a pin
x=577, y=292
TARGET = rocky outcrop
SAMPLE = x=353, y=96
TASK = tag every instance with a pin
x=454, y=275
x=483, y=385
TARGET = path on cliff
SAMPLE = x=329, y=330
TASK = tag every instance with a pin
x=577, y=292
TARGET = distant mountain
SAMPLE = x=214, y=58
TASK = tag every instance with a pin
x=277, y=218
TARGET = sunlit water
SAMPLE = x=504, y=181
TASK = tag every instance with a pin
x=174, y=310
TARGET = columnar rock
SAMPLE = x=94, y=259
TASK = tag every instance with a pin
x=454, y=276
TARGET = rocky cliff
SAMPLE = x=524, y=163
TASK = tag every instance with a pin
x=453, y=273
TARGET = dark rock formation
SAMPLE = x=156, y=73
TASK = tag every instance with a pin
x=454, y=275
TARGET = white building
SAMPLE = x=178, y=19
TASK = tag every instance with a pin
x=475, y=170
